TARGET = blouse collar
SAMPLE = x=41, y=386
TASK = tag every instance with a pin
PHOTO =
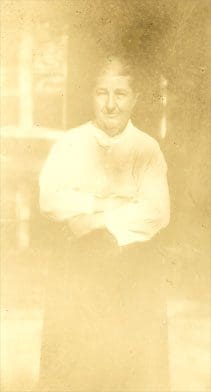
x=107, y=141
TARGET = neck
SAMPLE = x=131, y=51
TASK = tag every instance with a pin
x=112, y=132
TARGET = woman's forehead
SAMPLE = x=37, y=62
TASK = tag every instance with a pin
x=113, y=78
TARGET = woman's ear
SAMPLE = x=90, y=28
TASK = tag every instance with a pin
x=136, y=97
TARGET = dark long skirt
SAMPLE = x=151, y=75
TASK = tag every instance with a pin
x=105, y=320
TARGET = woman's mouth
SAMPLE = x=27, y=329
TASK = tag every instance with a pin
x=111, y=115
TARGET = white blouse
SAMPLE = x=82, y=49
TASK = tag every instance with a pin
x=128, y=170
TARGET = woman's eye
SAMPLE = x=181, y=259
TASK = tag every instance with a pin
x=100, y=92
x=121, y=94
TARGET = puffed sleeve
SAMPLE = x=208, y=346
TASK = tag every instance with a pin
x=58, y=197
x=141, y=218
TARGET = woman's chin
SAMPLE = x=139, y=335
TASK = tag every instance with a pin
x=111, y=125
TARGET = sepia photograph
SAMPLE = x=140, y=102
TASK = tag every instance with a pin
x=105, y=196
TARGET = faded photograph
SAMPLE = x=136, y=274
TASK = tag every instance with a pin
x=105, y=196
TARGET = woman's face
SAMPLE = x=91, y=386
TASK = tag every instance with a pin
x=114, y=100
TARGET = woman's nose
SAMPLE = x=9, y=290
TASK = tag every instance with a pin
x=110, y=103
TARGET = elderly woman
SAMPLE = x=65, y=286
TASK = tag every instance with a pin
x=105, y=322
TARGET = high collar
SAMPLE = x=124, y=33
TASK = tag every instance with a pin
x=107, y=141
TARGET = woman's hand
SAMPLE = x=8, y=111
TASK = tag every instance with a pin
x=110, y=202
x=85, y=223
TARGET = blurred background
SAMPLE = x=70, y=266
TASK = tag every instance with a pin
x=48, y=53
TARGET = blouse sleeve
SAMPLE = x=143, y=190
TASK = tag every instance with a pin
x=141, y=218
x=58, y=197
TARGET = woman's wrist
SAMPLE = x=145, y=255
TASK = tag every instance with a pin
x=98, y=205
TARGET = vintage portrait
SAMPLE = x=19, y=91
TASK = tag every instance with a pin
x=105, y=196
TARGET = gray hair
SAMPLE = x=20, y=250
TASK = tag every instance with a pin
x=125, y=66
